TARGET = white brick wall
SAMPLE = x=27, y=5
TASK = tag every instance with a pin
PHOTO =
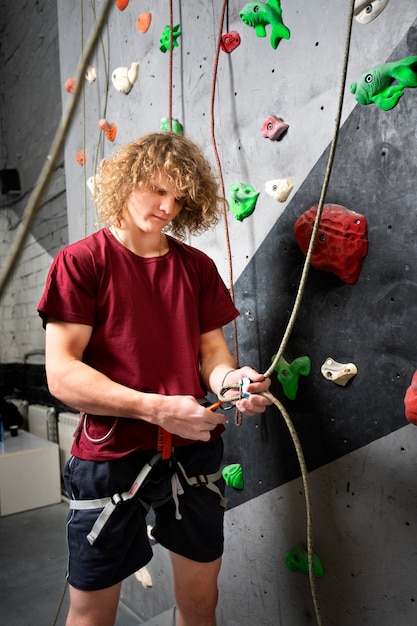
x=20, y=326
x=30, y=111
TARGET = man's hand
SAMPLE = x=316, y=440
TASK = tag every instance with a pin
x=254, y=403
x=184, y=416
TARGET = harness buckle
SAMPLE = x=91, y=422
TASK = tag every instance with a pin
x=202, y=480
x=116, y=499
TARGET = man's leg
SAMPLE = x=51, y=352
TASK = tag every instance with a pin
x=196, y=593
x=93, y=608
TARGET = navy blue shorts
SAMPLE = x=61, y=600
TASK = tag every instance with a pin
x=123, y=545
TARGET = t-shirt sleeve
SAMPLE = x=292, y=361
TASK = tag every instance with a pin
x=69, y=293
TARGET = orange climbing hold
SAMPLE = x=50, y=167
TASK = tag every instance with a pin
x=144, y=21
x=110, y=130
x=80, y=156
x=70, y=84
x=122, y=4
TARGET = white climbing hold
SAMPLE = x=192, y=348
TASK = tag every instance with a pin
x=144, y=577
x=279, y=189
x=339, y=373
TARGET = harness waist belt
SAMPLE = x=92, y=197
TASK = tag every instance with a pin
x=109, y=503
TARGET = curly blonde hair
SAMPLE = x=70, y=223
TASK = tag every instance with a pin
x=139, y=163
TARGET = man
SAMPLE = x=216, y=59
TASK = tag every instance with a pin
x=134, y=341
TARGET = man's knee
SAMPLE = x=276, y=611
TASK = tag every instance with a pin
x=198, y=606
x=196, y=616
x=89, y=608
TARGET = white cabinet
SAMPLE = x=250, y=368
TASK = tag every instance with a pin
x=29, y=473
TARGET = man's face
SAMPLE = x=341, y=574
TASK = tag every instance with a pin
x=151, y=209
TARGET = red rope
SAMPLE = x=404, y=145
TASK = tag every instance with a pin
x=238, y=416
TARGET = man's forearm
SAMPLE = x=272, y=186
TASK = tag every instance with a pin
x=85, y=389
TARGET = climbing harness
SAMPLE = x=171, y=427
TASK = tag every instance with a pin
x=108, y=504
x=164, y=442
x=202, y=480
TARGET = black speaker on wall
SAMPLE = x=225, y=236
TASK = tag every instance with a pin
x=9, y=181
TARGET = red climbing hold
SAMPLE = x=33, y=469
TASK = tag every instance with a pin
x=341, y=242
x=230, y=41
x=410, y=401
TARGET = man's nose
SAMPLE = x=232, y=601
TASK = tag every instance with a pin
x=168, y=204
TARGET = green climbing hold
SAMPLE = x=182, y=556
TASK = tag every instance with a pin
x=233, y=475
x=262, y=14
x=289, y=373
x=384, y=84
x=242, y=200
x=298, y=559
x=165, y=39
x=175, y=125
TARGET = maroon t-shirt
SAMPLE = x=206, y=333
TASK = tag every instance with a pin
x=147, y=316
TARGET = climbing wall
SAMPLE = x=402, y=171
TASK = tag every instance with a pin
x=358, y=446
x=369, y=323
